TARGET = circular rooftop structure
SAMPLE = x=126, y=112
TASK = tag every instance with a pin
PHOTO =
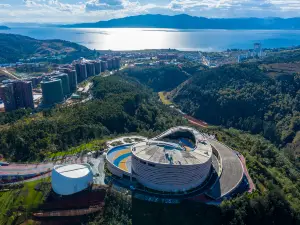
x=119, y=159
x=70, y=179
x=177, y=160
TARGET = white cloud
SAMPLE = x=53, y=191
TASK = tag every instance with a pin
x=94, y=10
x=96, y=5
x=5, y=5
x=53, y=6
x=230, y=8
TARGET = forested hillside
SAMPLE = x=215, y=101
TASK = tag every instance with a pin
x=285, y=55
x=245, y=97
x=119, y=107
x=123, y=105
x=15, y=47
x=161, y=78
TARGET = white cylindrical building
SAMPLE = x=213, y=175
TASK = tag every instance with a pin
x=163, y=168
x=167, y=166
x=70, y=179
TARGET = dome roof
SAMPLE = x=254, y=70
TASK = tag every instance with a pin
x=73, y=170
x=70, y=179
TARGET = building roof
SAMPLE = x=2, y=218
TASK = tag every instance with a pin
x=170, y=153
x=167, y=153
x=50, y=80
x=73, y=170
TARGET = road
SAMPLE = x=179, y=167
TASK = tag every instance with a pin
x=232, y=171
x=4, y=70
x=38, y=171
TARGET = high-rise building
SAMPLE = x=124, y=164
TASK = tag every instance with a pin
x=81, y=71
x=118, y=62
x=34, y=81
x=90, y=68
x=109, y=64
x=52, y=91
x=27, y=94
x=17, y=94
x=103, y=66
x=77, y=68
x=257, y=49
x=72, y=79
x=65, y=82
x=114, y=63
x=7, y=95
x=97, y=67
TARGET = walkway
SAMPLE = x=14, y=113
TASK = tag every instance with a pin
x=71, y=212
x=195, y=121
x=232, y=171
x=123, y=141
x=251, y=183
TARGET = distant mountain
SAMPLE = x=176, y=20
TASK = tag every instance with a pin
x=184, y=21
x=14, y=47
x=4, y=28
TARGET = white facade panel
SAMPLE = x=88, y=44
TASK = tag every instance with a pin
x=170, y=178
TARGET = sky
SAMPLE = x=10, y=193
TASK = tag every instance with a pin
x=74, y=11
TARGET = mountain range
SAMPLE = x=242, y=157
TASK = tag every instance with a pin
x=184, y=21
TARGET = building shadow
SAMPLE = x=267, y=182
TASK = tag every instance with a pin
x=187, y=212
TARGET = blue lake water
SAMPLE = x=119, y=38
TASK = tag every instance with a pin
x=145, y=38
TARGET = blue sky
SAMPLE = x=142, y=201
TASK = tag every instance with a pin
x=71, y=11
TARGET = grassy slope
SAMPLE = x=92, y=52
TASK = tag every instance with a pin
x=16, y=204
x=164, y=99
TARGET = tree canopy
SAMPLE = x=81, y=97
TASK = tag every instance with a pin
x=119, y=106
x=158, y=78
x=245, y=97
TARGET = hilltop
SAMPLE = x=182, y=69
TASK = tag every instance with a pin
x=15, y=47
x=184, y=21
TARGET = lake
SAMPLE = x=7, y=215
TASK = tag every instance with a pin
x=146, y=38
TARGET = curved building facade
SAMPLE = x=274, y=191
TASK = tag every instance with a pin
x=52, y=91
x=178, y=160
x=70, y=179
x=90, y=68
x=160, y=174
x=72, y=80
x=65, y=82
x=97, y=67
